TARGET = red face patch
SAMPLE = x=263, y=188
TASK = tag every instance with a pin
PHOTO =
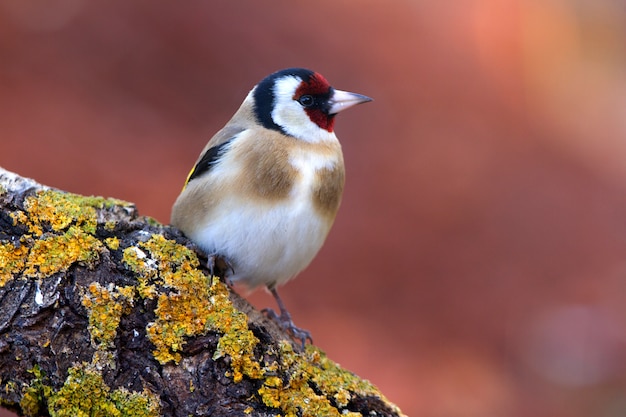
x=323, y=120
x=317, y=87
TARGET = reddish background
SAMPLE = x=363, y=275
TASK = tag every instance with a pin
x=478, y=263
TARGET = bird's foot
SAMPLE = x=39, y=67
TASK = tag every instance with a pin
x=220, y=266
x=287, y=325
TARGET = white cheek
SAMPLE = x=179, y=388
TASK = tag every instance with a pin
x=290, y=115
x=292, y=118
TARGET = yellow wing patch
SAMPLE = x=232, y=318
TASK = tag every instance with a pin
x=188, y=177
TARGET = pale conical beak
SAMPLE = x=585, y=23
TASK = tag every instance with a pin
x=342, y=100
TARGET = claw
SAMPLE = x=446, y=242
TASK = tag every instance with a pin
x=219, y=266
x=285, y=322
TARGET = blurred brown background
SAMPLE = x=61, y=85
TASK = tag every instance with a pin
x=478, y=263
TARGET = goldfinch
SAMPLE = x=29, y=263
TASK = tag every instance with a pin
x=265, y=190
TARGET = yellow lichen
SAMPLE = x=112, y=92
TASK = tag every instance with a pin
x=336, y=381
x=180, y=313
x=56, y=253
x=297, y=398
x=60, y=210
x=84, y=393
x=60, y=233
x=313, y=367
x=128, y=292
x=69, y=221
x=112, y=243
x=19, y=217
x=10, y=387
x=194, y=307
x=172, y=325
x=33, y=397
x=271, y=391
x=12, y=261
x=237, y=340
x=106, y=306
x=31, y=402
x=136, y=260
x=109, y=226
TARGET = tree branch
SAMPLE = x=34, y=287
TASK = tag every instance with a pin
x=105, y=312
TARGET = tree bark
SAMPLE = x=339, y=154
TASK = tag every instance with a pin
x=107, y=313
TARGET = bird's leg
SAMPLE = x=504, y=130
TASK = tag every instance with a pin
x=284, y=320
x=219, y=265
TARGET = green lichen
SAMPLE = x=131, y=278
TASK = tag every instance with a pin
x=106, y=306
x=84, y=394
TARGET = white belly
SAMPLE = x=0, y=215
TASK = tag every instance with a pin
x=265, y=244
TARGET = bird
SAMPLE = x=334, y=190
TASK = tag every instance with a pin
x=265, y=190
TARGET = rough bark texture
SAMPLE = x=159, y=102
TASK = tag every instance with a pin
x=104, y=312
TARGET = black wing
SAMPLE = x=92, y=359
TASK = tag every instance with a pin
x=208, y=160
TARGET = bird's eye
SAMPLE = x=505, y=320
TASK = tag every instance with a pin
x=306, y=100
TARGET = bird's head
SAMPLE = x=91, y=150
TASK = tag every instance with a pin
x=301, y=103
